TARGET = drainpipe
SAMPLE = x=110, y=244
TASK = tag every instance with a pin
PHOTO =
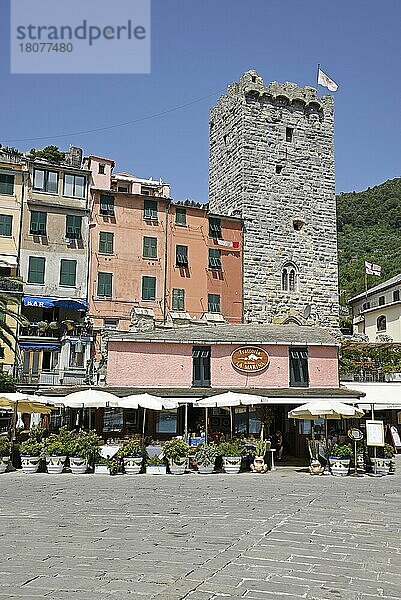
x=18, y=367
x=168, y=204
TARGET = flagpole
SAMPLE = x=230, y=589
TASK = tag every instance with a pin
x=317, y=76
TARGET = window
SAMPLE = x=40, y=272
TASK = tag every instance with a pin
x=381, y=323
x=110, y=323
x=381, y=300
x=106, y=242
x=201, y=366
x=6, y=184
x=68, y=273
x=101, y=169
x=38, y=223
x=107, y=205
x=396, y=296
x=213, y=303
x=105, y=285
x=122, y=188
x=166, y=421
x=180, y=216
x=148, y=288
x=77, y=358
x=146, y=191
x=74, y=186
x=214, y=227
x=366, y=306
x=45, y=181
x=150, y=247
x=279, y=168
x=6, y=224
x=289, y=133
x=299, y=376
x=181, y=256
x=150, y=210
x=36, y=270
x=289, y=278
x=73, y=227
x=178, y=301
x=214, y=259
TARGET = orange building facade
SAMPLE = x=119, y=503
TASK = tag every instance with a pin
x=148, y=252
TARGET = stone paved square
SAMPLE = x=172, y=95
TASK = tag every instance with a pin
x=282, y=535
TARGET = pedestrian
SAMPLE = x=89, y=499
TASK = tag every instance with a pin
x=278, y=438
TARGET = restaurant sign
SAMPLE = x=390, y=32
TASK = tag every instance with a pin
x=250, y=359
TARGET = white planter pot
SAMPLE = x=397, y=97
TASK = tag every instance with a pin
x=178, y=467
x=232, y=464
x=55, y=464
x=101, y=470
x=132, y=464
x=339, y=467
x=30, y=464
x=382, y=465
x=392, y=466
x=258, y=465
x=156, y=470
x=315, y=468
x=205, y=469
x=78, y=465
x=4, y=460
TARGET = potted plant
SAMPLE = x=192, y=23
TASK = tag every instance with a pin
x=115, y=465
x=155, y=466
x=232, y=453
x=258, y=465
x=57, y=447
x=84, y=449
x=389, y=454
x=132, y=453
x=101, y=465
x=340, y=460
x=5, y=448
x=176, y=451
x=383, y=461
x=30, y=451
x=205, y=457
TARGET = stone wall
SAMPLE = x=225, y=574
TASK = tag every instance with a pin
x=284, y=191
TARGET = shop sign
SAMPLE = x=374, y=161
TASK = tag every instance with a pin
x=250, y=359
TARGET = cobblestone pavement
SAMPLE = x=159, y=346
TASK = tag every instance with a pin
x=283, y=535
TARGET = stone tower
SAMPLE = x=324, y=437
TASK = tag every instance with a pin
x=272, y=162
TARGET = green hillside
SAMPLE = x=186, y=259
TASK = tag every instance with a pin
x=369, y=228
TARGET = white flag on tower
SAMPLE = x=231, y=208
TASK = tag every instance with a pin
x=325, y=80
x=372, y=269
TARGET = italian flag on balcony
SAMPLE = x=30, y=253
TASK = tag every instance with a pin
x=229, y=244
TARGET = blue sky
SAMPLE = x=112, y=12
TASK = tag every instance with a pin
x=198, y=47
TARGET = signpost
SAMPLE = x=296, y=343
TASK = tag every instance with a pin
x=356, y=435
x=375, y=438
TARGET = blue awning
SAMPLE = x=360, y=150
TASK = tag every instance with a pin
x=68, y=303
x=36, y=346
x=38, y=302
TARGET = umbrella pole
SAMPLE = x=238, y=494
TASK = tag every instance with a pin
x=186, y=422
x=231, y=421
x=90, y=418
x=143, y=425
x=206, y=423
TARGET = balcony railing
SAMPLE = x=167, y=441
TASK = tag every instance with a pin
x=10, y=284
x=56, y=330
x=55, y=377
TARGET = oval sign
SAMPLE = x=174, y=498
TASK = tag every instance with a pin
x=250, y=359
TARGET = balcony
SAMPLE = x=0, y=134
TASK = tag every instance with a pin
x=56, y=330
x=10, y=285
x=55, y=377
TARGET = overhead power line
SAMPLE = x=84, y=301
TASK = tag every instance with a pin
x=116, y=125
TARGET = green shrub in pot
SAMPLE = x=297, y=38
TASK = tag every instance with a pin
x=131, y=447
x=234, y=447
x=5, y=449
x=205, y=457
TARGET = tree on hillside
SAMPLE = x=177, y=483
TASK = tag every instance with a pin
x=50, y=153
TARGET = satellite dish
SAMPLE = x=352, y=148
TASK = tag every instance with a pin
x=307, y=311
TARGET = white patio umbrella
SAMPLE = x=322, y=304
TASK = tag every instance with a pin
x=89, y=398
x=228, y=400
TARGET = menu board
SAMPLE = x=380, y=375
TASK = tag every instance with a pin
x=374, y=433
x=395, y=436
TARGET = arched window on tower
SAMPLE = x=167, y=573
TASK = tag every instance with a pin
x=289, y=278
x=381, y=323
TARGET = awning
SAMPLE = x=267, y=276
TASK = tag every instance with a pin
x=36, y=346
x=69, y=303
x=8, y=260
x=378, y=393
